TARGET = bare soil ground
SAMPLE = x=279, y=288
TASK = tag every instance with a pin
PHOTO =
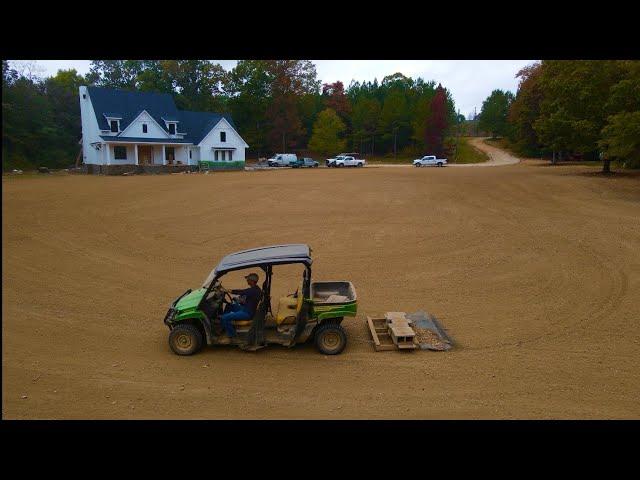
x=535, y=271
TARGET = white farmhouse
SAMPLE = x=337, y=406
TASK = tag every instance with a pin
x=121, y=129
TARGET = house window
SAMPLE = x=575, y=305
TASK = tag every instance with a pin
x=144, y=128
x=190, y=156
x=172, y=128
x=223, y=136
x=115, y=126
x=230, y=155
x=170, y=154
x=120, y=153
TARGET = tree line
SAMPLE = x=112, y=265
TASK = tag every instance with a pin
x=564, y=109
x=277, y=106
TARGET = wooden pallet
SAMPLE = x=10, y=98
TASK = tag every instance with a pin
x=392, y=332
x=379, y=331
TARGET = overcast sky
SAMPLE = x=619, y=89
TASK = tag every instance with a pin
x=470, y=81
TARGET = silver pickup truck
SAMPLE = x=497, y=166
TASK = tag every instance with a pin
x=430, y=161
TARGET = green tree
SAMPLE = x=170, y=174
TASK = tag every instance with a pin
x=620, y=138
x=327, y=131
x=493, y=116
x=394, y=118
x=116, y=73
x=248, y=86
x=62, y=94
x=572, y=110
x=364, y=118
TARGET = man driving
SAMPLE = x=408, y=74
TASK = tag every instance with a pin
x=242, y=308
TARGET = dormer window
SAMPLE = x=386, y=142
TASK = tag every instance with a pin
x=115, y=126
x=223, y=136
x=172, y=128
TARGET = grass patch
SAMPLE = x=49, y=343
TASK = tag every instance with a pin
x=390, y=159
x=467, y=153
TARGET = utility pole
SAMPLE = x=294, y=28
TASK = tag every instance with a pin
x=475, y=120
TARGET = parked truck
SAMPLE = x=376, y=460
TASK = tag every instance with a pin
x=430, y=161
x=346, y=160
x=282, y=160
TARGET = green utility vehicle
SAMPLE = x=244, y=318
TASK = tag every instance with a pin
x=314, y=311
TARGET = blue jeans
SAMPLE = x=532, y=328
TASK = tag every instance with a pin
x=234, y=311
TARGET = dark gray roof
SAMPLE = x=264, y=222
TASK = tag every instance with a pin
x=129, y=104
x=198, y=124
x=274, y=254
x=115, y=138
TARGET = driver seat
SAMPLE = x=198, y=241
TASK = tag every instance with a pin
x=245, y=325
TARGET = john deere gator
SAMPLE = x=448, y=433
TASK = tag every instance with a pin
x=314, y=312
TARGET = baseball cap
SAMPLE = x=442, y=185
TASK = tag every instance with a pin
x=252, y=276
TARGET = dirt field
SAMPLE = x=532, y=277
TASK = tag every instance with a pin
x=534, y=270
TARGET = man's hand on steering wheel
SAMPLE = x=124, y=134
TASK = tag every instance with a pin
x=226, y=293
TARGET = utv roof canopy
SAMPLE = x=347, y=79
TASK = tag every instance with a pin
x=270, y=255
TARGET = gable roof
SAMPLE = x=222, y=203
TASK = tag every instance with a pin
x=198, y=124
x=130, y=104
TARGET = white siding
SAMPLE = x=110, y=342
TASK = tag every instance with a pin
x=135, y=128
x=90, y=130
x=212, y=140
x=131, y=155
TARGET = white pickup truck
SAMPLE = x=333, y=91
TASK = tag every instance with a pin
x=430, y=160
x=346, y=161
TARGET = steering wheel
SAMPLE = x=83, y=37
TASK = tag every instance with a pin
x=225, y=294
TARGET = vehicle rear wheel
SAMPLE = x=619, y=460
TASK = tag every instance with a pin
x=340, y=165
x=185, y=339
x=439, y=164
x=360, y=165
x=330, y=339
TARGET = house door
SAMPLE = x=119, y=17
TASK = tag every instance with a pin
x=145, y=155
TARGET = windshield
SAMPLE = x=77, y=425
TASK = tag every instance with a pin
x=209, y=278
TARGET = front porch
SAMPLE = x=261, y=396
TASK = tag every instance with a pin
x=148, y=154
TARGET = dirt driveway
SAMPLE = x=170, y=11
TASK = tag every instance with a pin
x=497, y=157
x=535, y=271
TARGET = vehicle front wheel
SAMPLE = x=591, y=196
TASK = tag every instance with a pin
x=185, y=339
x=418, y=165
x=331, y=339
x=439, y=164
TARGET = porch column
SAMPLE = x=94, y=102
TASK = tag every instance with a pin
x=108, y=154
x=164, y=156
x=137, y=154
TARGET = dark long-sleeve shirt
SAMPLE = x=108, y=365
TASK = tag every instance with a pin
x=252, y=297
